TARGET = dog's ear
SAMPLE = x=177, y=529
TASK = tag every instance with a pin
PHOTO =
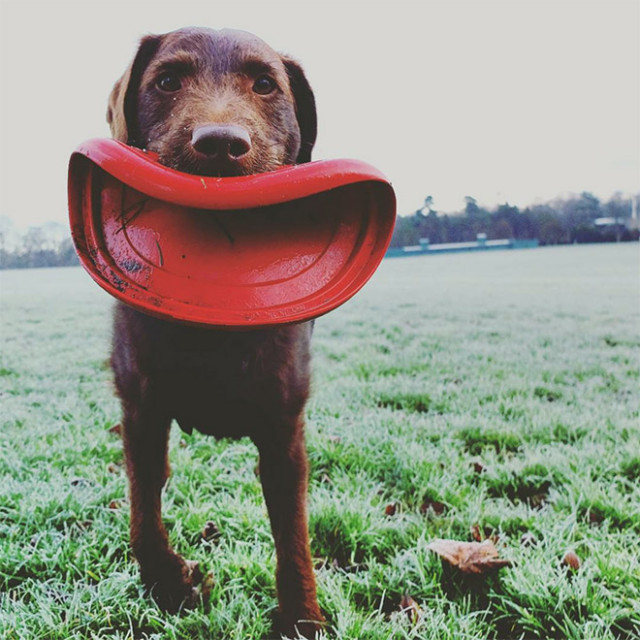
x=305, y=109
x=122, y=112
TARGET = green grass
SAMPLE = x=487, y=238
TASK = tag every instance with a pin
x=504, y=386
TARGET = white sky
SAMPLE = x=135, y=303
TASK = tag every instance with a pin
x=501, y=100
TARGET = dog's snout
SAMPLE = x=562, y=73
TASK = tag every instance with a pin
x=222, y=141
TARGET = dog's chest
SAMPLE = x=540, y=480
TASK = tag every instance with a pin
x=232, y=386
x=223, y=383
x=218, y=392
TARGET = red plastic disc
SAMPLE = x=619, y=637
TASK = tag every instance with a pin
x=244, y=252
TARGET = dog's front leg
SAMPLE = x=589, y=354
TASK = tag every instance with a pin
x=283, y=472
x=165, y=573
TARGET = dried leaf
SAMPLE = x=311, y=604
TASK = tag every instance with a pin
x=116, y=430
x=436, y=506
x=391, y=509
x=571, y=560
x=210, y=531
x=479, y=535
x=469, y=557
x=476, y=533
x=410, y=607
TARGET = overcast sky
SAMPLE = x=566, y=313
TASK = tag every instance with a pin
x=501, y=100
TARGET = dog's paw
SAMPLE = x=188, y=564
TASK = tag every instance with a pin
x=173, y=583
x=307, y=626
x=194, y=572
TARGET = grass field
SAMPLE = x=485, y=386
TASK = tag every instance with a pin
x=499, y=390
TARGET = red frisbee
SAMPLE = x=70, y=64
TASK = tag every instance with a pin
x=249, y=251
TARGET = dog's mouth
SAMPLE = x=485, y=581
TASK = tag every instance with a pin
x=202, y=166
x=213, y=168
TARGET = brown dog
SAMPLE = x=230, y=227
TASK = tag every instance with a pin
x=217, y=103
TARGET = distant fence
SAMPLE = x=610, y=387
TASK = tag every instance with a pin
x=481, y=244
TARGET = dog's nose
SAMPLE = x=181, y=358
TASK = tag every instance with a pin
x=222, y=141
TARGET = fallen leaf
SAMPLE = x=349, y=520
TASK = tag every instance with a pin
x=410, y=608
x=390, y=509
x=475, y=533
x=210, y=531
x=436, y=506
x=571, y=560
x=469, y=557
x=479, y=535
x=478, y=467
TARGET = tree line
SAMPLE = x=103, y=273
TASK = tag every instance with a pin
x=577, y=219
x=48, y=245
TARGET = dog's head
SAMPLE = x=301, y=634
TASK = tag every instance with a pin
x=216, y=103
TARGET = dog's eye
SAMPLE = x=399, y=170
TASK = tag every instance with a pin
x=168, y=82
x=264, y=85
